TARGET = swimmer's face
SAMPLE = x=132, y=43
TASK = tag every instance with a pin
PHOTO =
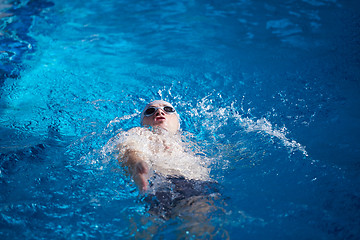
x=162, y=118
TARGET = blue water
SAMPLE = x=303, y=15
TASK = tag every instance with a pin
x=270, y=90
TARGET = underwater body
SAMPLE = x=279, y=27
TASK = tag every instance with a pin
x=268, y=90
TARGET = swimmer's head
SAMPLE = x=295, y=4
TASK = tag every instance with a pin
x=161, y=114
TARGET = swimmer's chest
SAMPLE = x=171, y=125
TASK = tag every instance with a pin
x=161, y=145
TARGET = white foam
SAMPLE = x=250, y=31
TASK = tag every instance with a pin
x=263, y=125
x=215, y=117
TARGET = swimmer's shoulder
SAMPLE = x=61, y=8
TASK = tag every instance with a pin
x=134, y=130
x=138, y=130
x=132, y=137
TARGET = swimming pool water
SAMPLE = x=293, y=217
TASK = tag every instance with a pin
x=270, y=90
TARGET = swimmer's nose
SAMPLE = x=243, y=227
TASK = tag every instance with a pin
x=159, y=112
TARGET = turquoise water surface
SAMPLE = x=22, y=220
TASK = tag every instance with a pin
x=269, y=90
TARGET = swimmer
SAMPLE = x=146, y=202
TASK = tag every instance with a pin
x=180, y=183
x=157, y=144
x=159, y=115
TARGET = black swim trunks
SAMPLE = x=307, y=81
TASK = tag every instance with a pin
x=175, y=191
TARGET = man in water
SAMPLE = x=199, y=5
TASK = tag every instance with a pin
x=180, y=184
x=159, y=115
x=157, y=146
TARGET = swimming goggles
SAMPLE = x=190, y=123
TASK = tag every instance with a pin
x=151, y=110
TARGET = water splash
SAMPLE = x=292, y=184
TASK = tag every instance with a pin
x=263, y=125
x=214, y=117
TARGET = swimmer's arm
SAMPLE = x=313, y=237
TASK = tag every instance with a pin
x=138, y=168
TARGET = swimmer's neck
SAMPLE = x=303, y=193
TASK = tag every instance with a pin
x=161, y=130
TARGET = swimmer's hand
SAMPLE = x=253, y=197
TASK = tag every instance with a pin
x=141, y=175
